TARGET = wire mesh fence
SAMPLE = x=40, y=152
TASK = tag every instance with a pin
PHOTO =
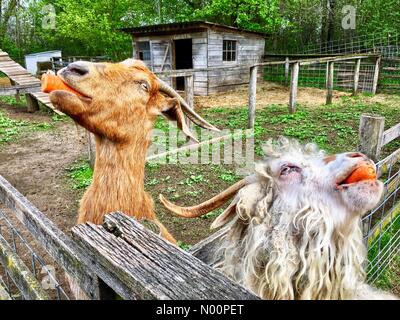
x=42, y=270
x=382, y=225
x=386, y=44
x=314, y=75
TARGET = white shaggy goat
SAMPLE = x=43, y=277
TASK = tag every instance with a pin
x=295, y=226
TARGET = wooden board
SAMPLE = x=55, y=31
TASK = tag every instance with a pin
x=21, y=77
x=138, y=264
x=44, y=99
x=57, y=244
x=391, y=134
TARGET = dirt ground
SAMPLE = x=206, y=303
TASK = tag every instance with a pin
x=35, y=165
x=267, y=93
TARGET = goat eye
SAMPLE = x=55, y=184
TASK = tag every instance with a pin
x=288, y=169
x=144, y=86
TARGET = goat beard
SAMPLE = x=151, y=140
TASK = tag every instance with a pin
x=281, y=255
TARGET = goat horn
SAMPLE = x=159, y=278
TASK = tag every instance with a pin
x=193, y=116
x=207, y=206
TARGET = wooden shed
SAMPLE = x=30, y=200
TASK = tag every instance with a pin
x=196, y=45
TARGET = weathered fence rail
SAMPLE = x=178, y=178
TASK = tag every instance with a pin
x=120, y=257
x=138, y=264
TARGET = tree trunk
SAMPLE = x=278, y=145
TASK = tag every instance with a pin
x=331, y=23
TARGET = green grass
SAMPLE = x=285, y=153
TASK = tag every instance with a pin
x=333, y=128
x=391, y=275
x=12, y=101
x=81, y=175
x=183, y=245
x=11, y=129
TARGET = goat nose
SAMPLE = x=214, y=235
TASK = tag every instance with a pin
x=78, y=68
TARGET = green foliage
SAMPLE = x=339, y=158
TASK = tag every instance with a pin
x=10, y=100
x=193, y=179
x=183, y=246
x=334, y=128
x=212, y=214
x=43, y=126
x=81, y=174
x=91, y=27
x=228, y=176
x=10, y=128
x=256, y=15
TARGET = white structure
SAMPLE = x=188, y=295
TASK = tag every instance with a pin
x=32, y=59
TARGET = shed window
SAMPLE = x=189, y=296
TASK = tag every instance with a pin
x=229, y=50
x=144, y=50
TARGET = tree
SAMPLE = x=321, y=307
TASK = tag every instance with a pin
x=256, y=15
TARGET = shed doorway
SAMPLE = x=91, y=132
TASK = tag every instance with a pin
x=183, y=59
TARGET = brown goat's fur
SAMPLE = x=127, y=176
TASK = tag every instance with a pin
x=120, y=105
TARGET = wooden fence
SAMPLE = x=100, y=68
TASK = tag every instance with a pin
x=124, y=257
x=389, y=81
x=292, y=66
x=381, y=226
x=373, y=136
x=120, y=257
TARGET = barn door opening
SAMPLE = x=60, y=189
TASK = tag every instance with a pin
x=183, y=59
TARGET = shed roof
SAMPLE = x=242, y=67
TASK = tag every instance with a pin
x=183, y=27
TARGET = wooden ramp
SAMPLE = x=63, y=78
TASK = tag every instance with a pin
x=24, y=82
x=45, y=99
x=16, y=72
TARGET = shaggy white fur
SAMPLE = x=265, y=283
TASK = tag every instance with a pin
x=295, y=233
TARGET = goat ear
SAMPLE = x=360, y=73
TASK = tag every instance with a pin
x=171, y=109
x=225, y=216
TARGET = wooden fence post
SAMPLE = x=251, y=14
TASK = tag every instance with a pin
x=252, y=97
x=31, y=103
x=287, y=66
x=356, y=76
x=18, y=97
x=293, y=87
x=329, y=82
x=189, y=94
x=376, y=75
x=370, y=135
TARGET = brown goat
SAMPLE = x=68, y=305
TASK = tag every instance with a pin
x=119, y=103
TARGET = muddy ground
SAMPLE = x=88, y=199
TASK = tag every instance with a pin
x=35, y=165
